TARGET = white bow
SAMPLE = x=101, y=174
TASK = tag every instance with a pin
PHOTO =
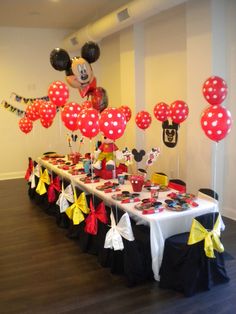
x=122, y=229
x=65, y=196
x=35, y=172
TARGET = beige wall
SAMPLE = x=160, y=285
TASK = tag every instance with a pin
x=26, y=70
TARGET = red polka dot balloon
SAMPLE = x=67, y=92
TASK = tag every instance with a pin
x=216, y=122
x=87, y=104
x=46, y=123
x=178, y=111
x=127, y=112
x=215, y=90
x=112, y=123
x=69, y=115
x=32, y=110
x=58, y=93
x=26, y=125
x=47, y=110
x=161, y=111
x=88, y=121
x=143, y=119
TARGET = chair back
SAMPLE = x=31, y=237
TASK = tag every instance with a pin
x=178, y=185
x=209, y=192
x=159, y=178
x=208, y=220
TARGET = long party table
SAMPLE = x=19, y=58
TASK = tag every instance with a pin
x=162, y=224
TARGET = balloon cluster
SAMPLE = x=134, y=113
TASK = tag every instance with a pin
x=216, y=120
x=79, y=73
x=177, y=111
x=44, y=110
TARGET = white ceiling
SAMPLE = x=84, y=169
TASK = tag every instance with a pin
x=72, y=14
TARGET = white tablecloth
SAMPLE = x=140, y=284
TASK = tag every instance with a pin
x=162, y=225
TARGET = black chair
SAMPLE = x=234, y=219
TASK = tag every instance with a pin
x=134, y=261
x=186, y=268
x=178, y=185
x=209, y=192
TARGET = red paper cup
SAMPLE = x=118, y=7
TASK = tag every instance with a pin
x=137, y=182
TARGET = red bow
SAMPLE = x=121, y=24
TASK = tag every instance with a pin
x=88, y=88
x=91, y=222
x=29, y=169
x=55, y=184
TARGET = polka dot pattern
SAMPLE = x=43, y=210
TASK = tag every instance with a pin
x=58, y=93
x=32, y=110
x=161, y=111
x=46, y=123
x=178, y=111
x=47, y=111
x=69, y=115
x=112, y=123
x=143, y=119
x=25, y=125
x=215, y=90
x=216, y=122
x=127, y=112
x=88, y=122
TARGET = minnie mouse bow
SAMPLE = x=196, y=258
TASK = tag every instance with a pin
x=55, y=185
x=91, y=222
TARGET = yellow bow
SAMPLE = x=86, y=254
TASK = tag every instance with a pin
x=44, y=178
x=211, y=238
x=76, y=210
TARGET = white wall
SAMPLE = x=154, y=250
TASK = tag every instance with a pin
x=230, y=147
x=26, y=70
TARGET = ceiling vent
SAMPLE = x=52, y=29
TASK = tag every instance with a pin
x=123, y=15
x=133, y=12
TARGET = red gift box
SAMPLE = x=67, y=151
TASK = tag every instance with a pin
x=108, y=174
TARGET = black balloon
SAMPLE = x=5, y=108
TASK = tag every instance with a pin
x=60, y=59
x=90, y=51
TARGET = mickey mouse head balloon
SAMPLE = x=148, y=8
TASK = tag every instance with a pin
x=79, y=73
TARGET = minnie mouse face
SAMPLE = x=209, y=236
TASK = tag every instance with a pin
x=82, y=71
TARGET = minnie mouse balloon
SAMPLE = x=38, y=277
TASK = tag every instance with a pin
x=216, y=122
x=112, y=123
x=32, y=110
x=161, y=111
x=127, y=112
x=215, y=90
x=88, y=121
x=26, y=125
x=58, y=93
x=178, y=111
x=143, y=119
x=69, y=115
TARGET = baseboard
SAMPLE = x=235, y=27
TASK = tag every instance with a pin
x=229, y=213
x=12, y=175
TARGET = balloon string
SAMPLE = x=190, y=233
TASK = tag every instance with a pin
x=91, y=164
x=60, y=129
x=215, y=166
